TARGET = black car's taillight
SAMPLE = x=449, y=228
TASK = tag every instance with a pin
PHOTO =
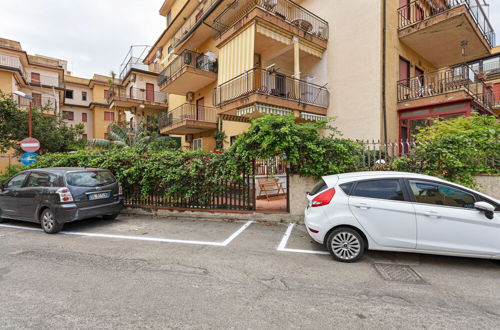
x=65, y=195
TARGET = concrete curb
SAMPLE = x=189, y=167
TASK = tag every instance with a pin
x=174, y=214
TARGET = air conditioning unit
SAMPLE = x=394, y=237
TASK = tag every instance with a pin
x=158, y=52
x=270, y=3
x=189, y=97
x=133, y=77
x=189, y=138
x=188, y=58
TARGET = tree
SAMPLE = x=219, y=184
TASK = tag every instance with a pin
x=52, y=132
x=144, y=138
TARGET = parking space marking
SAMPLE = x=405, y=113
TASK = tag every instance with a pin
x=142, y=238
x=282, y=246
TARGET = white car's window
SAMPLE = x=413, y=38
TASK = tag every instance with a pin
x=437, y=194
x=382, y=189
x=319, y=187
x=17, y=181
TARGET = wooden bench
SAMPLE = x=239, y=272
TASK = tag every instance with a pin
x=270, y=187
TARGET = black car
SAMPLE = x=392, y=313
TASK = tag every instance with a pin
x=54, y=196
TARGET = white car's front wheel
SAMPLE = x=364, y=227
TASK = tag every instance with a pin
x=346, y=244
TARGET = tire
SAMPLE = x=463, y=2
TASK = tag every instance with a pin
x=346, y=245
x=49, y=223
x=110, y=216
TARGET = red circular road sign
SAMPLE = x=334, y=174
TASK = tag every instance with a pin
x=30, y=145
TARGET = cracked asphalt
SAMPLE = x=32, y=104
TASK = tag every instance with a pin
x=81, y=282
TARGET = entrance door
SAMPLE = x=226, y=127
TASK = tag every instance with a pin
x=200, y=107
x=150, y=92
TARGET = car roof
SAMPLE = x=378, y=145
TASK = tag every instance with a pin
x=63, y=170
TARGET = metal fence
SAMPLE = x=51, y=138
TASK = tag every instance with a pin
x=140, y=94
x=236, y=195
x=190, y=59
x=265, y=82
x=188, y=111
x=419, y=10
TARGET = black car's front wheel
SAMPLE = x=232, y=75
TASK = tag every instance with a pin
x=49, y=223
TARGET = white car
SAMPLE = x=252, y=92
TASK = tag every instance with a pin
x=393, y=211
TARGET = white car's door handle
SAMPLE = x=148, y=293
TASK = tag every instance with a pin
x=432, y=214
x=363, y=206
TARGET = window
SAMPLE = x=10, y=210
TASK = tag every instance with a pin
x=90, y=178
x=319, y=187
x=197, y=144
x=232, y=139
x=37, y=179
x=84, y=117
x=37, y=99
x=404, y=71
x=17, y=181
x=84, y=96
x=169, y=18
x=382, y=189
x=68, y=94
x=347, y=187
x=170, y=49
x=106, y=94
x=109, y=116
x=437, y=194
x=68, y=115
x=35, y=78
x=85, y=137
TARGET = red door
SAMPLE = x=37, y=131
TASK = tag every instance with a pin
x=150, y=92
x=200, y=107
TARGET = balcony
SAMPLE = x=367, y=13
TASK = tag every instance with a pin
x=284, y=13
x=39, y=80
x=453, y=31
x=188, y=119
x=134, y=60
x=450, y=84
x=272, y=88
x=12, y=62
x=47, y=104
x=129, y=97
x=190, y=71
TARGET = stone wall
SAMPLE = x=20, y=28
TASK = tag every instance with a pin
x=299, y=186
x=489, y=185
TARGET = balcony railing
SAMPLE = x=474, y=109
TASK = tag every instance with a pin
x=264, y=82
x=190, y=21
x=46, y=102
x=446, y=81
x=118, y=92
x=42, y=80
x=190, y=59
x=188, y=111
x=283, y=9
x=12, y=62
x=419, y=10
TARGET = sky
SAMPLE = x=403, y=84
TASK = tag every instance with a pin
x=95, y=35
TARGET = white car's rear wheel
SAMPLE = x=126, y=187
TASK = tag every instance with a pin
x=346, y=245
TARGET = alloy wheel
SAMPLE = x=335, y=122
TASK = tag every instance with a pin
x=345, y=245
x=48, y=220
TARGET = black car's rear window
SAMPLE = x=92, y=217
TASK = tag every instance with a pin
x=90, y=178
x=319, y=187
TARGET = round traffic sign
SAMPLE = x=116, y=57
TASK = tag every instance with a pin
x=28, y=158
x=30, y=145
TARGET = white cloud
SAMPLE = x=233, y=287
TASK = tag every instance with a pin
x=92, y=35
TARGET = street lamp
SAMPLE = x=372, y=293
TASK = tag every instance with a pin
x=30, y=112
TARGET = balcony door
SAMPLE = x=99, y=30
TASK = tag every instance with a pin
x=150, y=92
x=37, y=99
x=200, y=105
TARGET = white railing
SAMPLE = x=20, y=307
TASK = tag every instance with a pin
x=12, y=62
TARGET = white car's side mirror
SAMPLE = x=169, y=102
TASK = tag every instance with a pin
x=486, y=207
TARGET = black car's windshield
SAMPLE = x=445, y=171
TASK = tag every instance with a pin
x=90, y=178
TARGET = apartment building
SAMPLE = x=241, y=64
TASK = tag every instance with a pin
x=382, y=71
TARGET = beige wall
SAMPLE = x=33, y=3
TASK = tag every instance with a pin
x=77, y=114
x=6, y=81
x=352, y=64
x=299, y=186
x=233, y=128
x=77, y=94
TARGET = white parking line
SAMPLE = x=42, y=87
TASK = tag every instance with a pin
x=142, y=238
x=282, y=246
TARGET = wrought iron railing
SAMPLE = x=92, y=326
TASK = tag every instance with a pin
x=190, y=59
x=188, y=111
x=271, y=83
x=140, y=94
x=286, y=10
x=446, y=81
x=419, y=10
x=190, y=21
x=46, y=102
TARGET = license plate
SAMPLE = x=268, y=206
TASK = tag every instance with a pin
x=95, y=196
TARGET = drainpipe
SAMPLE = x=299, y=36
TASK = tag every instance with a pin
x=384, y=51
